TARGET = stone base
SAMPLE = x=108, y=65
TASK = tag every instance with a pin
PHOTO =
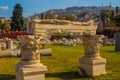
x=30, y=71
x=92, y=67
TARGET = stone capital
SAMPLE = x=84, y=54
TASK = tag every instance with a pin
x=30, y=47
x=91, y=45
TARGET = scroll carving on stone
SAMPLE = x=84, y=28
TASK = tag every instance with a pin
x=91, y=44
x=30, y=47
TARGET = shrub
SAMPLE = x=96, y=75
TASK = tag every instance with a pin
x=12, y=35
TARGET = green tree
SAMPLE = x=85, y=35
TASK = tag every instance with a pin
x=50, y=16
x=117, y=20
x=105, y=15
x=112, y=15
x=2, y=25
x=61, y=17
x=70, y=17
x=7, y=26
x=17, y=18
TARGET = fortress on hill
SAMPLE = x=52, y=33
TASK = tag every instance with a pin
x=56, y=27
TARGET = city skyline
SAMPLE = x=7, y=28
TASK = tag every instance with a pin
x=31, y=6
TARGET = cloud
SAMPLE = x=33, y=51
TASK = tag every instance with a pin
x=4, y=7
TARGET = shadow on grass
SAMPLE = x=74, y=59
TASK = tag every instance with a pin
x=65, y=75
x=111, y=51
x=7, y=77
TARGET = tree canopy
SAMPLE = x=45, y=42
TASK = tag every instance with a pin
x=50, y=16
x=17, y=18
x=105, y=14
x=117, y=20
x=70, y=17
x=2, y=25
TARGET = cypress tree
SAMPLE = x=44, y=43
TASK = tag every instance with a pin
x=17, y=18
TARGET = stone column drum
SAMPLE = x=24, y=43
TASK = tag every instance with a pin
x=117, y=42
x=10, y=44
x=91, y=64
x=30, y=68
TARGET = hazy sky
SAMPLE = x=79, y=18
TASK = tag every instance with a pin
x=31, y=6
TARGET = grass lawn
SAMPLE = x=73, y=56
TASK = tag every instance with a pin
x=62, y=65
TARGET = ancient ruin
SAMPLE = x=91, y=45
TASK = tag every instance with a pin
x=91, y=64
x=30, y=68
x=117, y=41
x=56, y=27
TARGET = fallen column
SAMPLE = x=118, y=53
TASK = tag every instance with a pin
x=6, y=53
x=43, y=52
x=46, y=52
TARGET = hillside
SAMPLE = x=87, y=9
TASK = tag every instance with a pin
x=79, y=12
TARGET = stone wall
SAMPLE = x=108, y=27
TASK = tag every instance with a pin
x=36, y=27
x=78, y=41
x=67, y=42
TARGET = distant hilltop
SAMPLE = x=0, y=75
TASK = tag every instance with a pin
x=78, y=12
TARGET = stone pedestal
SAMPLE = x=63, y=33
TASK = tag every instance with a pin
x=30, y=68
x=92, y=67
x=91, y=64
x=10, y=44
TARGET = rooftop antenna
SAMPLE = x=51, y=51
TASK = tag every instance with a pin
x=102, y=5
x=110, y=6
x=79, y=2
x=35, y=13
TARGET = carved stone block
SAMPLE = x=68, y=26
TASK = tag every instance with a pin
x=30, y=67
x=92, y=67
x=91, y=64
x=28, y=71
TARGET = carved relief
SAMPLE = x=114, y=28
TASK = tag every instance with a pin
x=30, y=47
x=91, y=44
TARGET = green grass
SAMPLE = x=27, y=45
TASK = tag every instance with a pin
x=62, y=65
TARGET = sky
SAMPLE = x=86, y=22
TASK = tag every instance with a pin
x=36, y=6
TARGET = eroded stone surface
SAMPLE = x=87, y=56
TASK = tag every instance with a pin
x=91, y=64
x=117, y=41
x=30, y=68
x=91, y=45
